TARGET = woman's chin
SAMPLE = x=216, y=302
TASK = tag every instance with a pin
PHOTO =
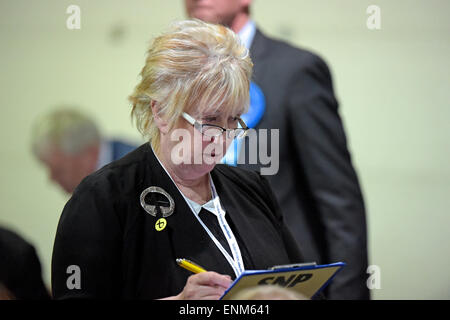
x=212, y=158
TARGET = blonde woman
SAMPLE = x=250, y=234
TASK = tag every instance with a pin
x=126, y=225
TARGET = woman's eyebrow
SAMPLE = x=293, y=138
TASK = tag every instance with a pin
x=213, y=114
x=219, y=114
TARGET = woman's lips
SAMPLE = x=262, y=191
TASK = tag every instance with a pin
x=212, y=154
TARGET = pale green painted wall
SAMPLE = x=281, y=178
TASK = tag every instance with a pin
x=392, y=84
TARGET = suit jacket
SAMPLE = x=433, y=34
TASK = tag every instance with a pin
x=20, y=268
x=119, y=149
x=105, y=232
x=316, y=185
x=111, y=150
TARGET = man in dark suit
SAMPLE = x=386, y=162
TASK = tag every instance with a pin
x=316, y=184
x=70, y=145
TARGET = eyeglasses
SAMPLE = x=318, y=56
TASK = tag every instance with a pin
x=211, y=130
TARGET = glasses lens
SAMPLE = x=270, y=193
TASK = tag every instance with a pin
x=211, y=131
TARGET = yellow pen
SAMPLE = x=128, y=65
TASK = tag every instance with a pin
x=190, y=266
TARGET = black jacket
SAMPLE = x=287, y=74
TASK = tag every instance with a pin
x=105, y=232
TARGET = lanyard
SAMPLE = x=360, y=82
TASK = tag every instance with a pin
x=236, y=261
x=238, y=265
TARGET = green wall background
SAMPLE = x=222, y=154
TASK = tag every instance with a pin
x=392, y=84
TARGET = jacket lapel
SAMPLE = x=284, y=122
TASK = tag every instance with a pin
x=258, y=46
x=258, y=53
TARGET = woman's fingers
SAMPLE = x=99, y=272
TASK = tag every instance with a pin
x=213, y=279
x=205, y=285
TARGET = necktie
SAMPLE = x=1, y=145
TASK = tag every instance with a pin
x=211, y=221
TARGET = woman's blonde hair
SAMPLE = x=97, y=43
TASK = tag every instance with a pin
x=268, y=292
x=192, y=67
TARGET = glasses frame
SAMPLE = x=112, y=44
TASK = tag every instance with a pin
x=199, y=126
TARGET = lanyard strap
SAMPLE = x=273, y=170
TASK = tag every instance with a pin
x=231, y=239
x=236, y=261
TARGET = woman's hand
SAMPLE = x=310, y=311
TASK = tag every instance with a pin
x=205, y=286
